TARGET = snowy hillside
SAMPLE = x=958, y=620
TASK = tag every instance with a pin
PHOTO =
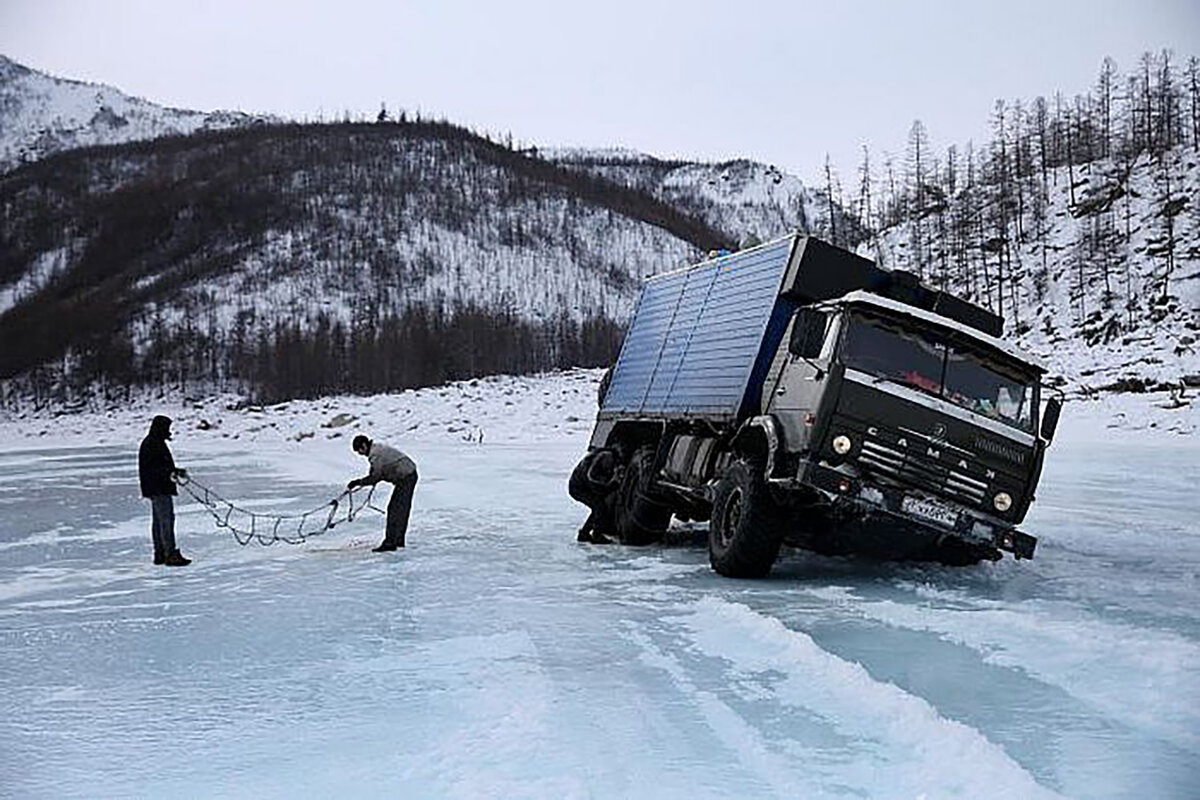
x=41, y=115
x=389, y=254
x=1100, y=293
x=496, y=657
x=748, y=200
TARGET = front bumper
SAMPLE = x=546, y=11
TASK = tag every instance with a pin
x=864, y=503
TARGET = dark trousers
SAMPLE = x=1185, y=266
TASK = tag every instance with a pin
x=398, y=510
x=597, y=498
x=162, y=524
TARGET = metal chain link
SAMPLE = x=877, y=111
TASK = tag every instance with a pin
x=267, y=529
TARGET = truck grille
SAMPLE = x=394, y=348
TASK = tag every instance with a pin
x=921, y=471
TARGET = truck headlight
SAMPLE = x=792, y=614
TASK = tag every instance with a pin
x=1002, y=501
x=842, y=444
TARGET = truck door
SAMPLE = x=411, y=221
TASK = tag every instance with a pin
x=803, y=376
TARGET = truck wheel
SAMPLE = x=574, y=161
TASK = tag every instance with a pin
x=641, y=519
x=743, y=537
x=957, y=553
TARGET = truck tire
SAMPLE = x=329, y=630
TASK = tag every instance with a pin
x=957, y=553
x=743, y=536
x=641, y=519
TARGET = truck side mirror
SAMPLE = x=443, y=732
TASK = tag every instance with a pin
x=808, y=333
x=1050, y=417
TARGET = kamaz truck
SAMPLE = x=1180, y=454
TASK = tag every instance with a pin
x=794, y=393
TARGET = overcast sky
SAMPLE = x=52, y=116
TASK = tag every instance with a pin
x=780, y=82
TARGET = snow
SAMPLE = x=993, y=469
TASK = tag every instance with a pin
x=1087, y=337
x=745, y=199
x=495, y=657
x=44, y=114
x=532, y=281
x=44, y=268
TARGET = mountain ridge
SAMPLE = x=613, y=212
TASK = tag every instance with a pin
x=43, y=115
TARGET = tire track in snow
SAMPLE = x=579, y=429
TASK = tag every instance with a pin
x=742, y=739
x=923, y=754
x=1147, y=679
x=502, y=705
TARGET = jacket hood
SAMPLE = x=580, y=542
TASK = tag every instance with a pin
x=160, y=427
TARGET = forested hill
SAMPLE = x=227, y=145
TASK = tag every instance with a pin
x=1078, y=221
x=303, y=259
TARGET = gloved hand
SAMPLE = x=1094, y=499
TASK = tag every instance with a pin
x=354, y=484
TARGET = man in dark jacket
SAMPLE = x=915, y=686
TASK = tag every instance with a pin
x=156, y=471
x=594, y=482
x=391, y=465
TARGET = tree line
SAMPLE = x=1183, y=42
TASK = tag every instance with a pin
x=416, y=347
x=973, y=214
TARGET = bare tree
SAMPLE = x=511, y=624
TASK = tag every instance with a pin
x=1145, y=106
x=1057, y=127
x=918, y=147
x=1104, y=94
x=1070, y=138
x=1193, y=84
x=829, y=196
x=864, y=190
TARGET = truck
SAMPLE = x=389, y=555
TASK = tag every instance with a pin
x=796, y=394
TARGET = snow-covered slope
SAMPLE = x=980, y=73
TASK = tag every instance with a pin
x=208, y=256
x=41, y=115
x=748, y=200
x=1097, y=295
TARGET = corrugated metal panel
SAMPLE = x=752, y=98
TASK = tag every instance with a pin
x=696, y=334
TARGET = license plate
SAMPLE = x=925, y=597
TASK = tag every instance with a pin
x=930, y=510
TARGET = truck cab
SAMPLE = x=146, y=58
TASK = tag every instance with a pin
x=891, y=411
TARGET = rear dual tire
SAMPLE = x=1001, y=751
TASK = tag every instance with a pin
x=641, y=518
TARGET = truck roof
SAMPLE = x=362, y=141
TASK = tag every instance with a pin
x=896, y=307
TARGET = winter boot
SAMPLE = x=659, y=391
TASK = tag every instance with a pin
x=386, y=547
x=176, y=559
x=159, y=558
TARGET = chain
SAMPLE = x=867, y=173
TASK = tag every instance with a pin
x=267, y=529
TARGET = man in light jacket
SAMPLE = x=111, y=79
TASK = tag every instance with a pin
x=391, y=465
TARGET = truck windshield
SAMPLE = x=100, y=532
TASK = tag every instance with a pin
x=925, y=361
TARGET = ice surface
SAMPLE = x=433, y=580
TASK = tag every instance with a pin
x=495, y=657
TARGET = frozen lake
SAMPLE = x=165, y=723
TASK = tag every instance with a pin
x=495, y=657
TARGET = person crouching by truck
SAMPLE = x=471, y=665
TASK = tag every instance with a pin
x=594, y=482
x=391, y=465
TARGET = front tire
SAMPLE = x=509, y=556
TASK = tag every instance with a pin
x=641, y=519
x=743, y=536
